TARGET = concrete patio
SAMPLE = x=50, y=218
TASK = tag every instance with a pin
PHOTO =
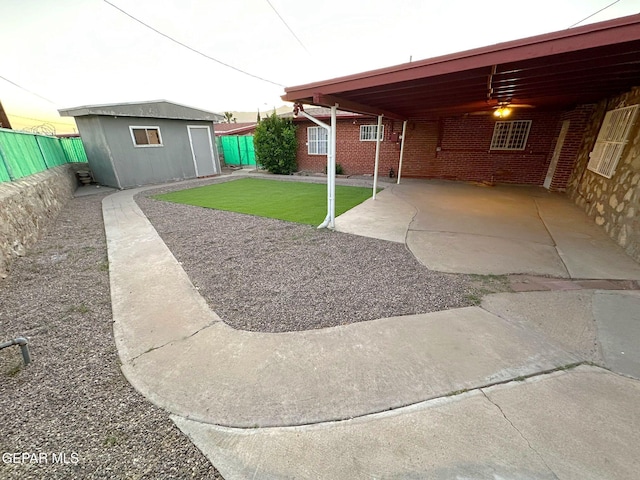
x=472, y=228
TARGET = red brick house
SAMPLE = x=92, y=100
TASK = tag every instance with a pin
x=573, y=126
x=454, y=148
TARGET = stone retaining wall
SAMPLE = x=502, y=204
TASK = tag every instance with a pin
x=28, y=206
x=612, y=203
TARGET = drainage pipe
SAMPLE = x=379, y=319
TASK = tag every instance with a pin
x=22, y=342
x=329, y=221
x=377, y=162
x=404, y=131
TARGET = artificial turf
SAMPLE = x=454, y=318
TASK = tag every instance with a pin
x=285, y=200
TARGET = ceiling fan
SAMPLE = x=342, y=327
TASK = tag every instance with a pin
x=502, y=109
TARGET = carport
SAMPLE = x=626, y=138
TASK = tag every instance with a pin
x=555, y=72
x=559, y=75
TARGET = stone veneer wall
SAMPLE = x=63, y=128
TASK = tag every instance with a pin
x=27, y=206
x=613, y=203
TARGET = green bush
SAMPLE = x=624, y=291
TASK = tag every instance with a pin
x=275, y=144
x=339, y=169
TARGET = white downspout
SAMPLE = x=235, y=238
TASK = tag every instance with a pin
x=404, y=131
x=329, y=220
x=375, y=171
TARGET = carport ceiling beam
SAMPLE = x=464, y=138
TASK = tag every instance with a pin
x=344, y=104
x=449, y=81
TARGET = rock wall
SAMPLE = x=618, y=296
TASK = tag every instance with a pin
x=612, y=203
x=28, y=206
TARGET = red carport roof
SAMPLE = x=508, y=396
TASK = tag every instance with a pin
x=555, y=70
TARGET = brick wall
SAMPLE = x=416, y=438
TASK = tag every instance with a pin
x=455, y=148
x=356, y=157
x=465, y=153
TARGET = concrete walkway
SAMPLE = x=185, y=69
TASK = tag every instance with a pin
x=479, y=392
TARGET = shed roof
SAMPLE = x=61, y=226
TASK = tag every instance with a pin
x=150, y=109
x=569, y=67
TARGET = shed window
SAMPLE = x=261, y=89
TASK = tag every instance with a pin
x=146, y=136
x=510, y=135
x=368, y=133
x=317, y=141
x=611, y=140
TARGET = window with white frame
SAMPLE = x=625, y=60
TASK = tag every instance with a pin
x=611, y=140
x=146, y=136
x=317, y=141
x=510, y=135
x=368, y=133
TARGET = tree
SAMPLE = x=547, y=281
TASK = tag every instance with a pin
x=228, y=117
x=275, y=144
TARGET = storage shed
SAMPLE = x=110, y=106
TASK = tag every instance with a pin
x=142, y=143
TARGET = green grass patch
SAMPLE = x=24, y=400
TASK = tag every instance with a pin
x=292, y=201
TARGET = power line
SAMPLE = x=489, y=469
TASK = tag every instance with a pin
x=587, y=18
x=27, y=90
x=287, y=25
x=191, y=48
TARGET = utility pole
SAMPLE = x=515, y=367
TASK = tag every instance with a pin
x=4, y=120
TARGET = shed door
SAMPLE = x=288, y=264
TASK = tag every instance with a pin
x=202, y=150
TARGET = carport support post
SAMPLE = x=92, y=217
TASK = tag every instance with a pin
x=404, y=131
x=329, y=220
x=375, y=169
x=331, y=170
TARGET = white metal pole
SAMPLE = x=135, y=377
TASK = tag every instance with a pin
x=375, y=170
x=332, y=161
x=404, y=131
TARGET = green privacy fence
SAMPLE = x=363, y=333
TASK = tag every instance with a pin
x=238, y=149
x=74, y=149
x=23, y=154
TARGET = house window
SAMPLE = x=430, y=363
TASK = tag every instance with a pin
x=146, y=136
x=317, y=141
x=510, y=135
x=611, y=140
x=368, y=133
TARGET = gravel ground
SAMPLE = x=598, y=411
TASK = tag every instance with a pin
x=72, y=399
x=268, y=275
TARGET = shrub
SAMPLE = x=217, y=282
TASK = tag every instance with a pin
x=275, y=144
x=339, y=169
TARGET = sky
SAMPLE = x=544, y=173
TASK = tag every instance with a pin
x=68, y=53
